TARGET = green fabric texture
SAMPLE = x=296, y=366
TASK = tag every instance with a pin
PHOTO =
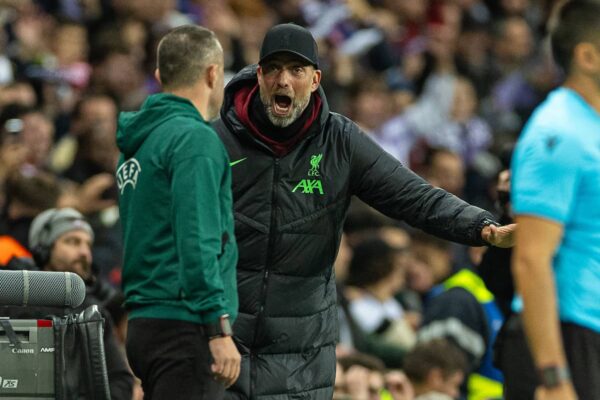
x=176, y=210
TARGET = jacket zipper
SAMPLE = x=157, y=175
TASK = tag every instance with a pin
x=265, y=281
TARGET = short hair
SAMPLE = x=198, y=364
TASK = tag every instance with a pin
x=436, y=353
x=578, y=21
x=372, y=261
x=184, y=53
x=38, y=189
x=431, y=153
x=364, y=360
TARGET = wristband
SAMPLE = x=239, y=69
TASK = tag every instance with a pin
x=486, y=222
x=221, y=328
x=553, y=375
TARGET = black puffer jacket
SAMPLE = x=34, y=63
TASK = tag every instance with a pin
x=289, y=213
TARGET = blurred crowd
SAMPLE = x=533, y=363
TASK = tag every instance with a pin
x=445, y=86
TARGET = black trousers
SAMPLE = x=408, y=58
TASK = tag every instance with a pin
x=172, y=359
x=582, y=347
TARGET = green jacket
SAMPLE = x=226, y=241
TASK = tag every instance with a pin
x=175, y=204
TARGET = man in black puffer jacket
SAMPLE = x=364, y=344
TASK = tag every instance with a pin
x=295, y=167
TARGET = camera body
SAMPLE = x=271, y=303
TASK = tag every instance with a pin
x=27, y=370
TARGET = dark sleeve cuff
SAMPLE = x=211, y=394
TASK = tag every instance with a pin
x=485, y=221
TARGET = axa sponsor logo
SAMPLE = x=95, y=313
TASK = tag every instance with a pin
x=128, y=174
x=311, y=186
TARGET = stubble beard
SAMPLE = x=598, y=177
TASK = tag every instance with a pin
x=298, y=107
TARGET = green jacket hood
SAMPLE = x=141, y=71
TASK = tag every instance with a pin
x=134, y=127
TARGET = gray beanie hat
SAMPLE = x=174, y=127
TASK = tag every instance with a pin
x=51, y=224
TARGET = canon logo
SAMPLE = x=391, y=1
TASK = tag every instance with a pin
x=22, y=351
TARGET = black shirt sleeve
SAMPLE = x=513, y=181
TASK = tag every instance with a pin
x=385, y=184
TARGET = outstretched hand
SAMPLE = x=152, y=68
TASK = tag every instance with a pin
x=499, y=236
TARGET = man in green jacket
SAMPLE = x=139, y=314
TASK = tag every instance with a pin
x=175, y=203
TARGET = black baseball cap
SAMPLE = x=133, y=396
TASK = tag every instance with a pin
x=290, y=38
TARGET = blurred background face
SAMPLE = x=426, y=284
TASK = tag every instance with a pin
x=101, y=148
x=376, y=384
x=419, y=275
x=70, y=44
x=372, y=107
x=18, y=93
x=442, y=38
x=438, y=260
x=120, y=74
x=37, y=136
x=450, y=385
x=518, y=35
x=100, y=110
x=464, y=106
x=95, y=128
x=72, y=253
x=429, y=266
x=516, y=42
x=447, y=171
x=473, y=46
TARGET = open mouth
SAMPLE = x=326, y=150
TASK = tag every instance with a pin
x=282, y=104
